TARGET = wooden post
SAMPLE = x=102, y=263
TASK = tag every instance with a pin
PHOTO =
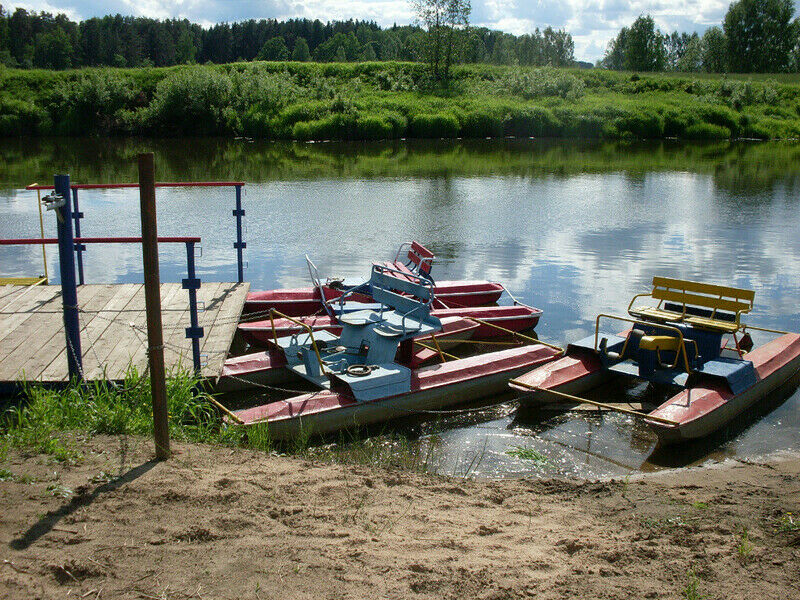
x=152, y=296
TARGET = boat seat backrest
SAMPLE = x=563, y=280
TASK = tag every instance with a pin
x=421, y=257
x=385, y=281
x=677, y=297
x=402, y=304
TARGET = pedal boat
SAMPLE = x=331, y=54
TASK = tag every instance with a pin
x=357, y=374
x=693, y=341
x=307, y=301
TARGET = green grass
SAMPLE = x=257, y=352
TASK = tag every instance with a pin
x=787, y=523
x=390, y=100
x=41, y=421
x=531, y=454
x=47, y=421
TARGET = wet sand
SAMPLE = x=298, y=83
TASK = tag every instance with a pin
x=222, y=523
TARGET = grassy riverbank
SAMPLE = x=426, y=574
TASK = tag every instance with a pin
x=49, y=421
x=371, y=101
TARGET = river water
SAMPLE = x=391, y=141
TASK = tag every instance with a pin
x=574, y=228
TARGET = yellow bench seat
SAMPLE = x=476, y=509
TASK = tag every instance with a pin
x=655, y=314
x=713, y=324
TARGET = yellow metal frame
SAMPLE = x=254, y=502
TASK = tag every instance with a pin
x=679, y=333
x=308, y=329
x=686, y=292
x=23, y=280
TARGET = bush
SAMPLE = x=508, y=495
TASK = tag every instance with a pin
x=22, y=118
x=190, y=101
x=707, y=131
x=643, y=125
x=481, y=124
x=534, y=121
x=721, y=116
x=441, y=125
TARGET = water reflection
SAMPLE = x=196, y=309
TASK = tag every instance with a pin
x=573, y=228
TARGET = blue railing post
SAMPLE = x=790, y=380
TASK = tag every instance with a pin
x=239, y=244
x=79, y=248
x=69, y=291
x=192, y=283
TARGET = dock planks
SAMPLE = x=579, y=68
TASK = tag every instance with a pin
x=113, y=329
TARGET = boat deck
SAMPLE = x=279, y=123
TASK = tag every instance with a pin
x=113, y=329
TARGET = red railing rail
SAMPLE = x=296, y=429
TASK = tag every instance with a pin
x=115, y=186
x=98, y=240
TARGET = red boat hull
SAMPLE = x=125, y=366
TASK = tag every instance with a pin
x=515, y=318
x=697, y=411
x=432, y=387
x=301, y=302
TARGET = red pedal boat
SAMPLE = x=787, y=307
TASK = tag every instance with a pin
x=366, y=372
x=676, y=344
x=299, y=302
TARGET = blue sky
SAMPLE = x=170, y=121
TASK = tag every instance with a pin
x=592, y=22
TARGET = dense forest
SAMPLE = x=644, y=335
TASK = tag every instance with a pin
x=757, y=36
x=29, y=40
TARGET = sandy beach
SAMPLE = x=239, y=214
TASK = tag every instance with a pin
x=229, y=523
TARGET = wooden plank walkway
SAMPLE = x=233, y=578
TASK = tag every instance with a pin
x=113, y=329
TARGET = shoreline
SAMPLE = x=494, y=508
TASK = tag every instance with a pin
x=233, y=523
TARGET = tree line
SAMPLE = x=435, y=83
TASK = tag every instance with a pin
x=42, y=40
x=756, y=36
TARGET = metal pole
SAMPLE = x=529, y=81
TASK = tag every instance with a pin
x=69, y=291
x=152, y=296
x=79, y=248
x=192, y=283
x=239, y=244
x=41, y=230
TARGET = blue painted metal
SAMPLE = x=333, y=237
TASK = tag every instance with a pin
x=69, y=290
x=77, y=215
x=239, y=244
x=369, y=340
x=192, y=283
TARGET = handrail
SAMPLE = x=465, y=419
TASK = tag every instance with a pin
x=98, y=240
x=315, y=279
x=115, y=186
x=649, y=324
x=305, y=326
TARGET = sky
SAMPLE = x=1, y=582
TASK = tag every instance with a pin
x=592, y=23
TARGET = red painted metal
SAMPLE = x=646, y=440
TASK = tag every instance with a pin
x=116, y=186
x=301, y=302
x=439, y=378
x=704, y=408
x=515, y=318
x=98, y=240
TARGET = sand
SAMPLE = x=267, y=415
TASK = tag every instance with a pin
x=222, y=523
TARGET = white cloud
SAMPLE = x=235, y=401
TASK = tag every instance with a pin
x=592, y=23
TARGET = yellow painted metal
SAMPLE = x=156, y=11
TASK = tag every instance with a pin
x=693, y=293
x=225, y=410
x=23, y=280
x=613, y=407
x=659, y=342
x=678, y=332
x=41, y=231
x=439, y=350
x=516, y=334
x=778, y=331
x=308, y=329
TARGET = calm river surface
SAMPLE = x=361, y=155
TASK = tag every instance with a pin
x=572, y=228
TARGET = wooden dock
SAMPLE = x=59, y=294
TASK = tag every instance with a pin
x=113, y=329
